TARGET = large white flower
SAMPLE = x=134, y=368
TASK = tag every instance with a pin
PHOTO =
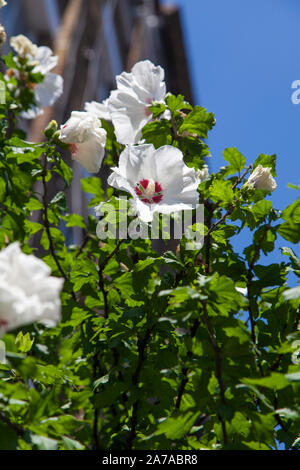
x=87, y=139
x=158, y=180
x=128, y=106
x=42, y=60
x=261, y=178
x=27, y=291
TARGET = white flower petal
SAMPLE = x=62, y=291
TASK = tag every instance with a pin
x=46, y=61
x=32, y=112
x=90, y=153
x=261, y=178
x=144, y=211
x=23, y=46
x=82, y=130
x=150, y=78
x=48, y=91
x=27, y=291
x=79, y=127
x=128, y=117
x=100, y=110
x=129, y=104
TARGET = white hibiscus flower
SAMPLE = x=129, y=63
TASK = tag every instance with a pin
x=261, y=178
x=128, y=106
x=27, y=291
x=158, y=180
x=42, y=60
x=87, y=139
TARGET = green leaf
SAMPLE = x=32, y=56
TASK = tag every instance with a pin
x=24, y=342
x=177, y=103
x=65, y=171
x=293, y=377
x=289, y=231
x=43, y=443
x=158, y=133
x=170, y=258
x=34, y=204
x=92, y=185
x=8, y=438
x=177, y=426
x=288, y=413
x=221, y=191
x=198, y=122
x=294, y=259
x=235, y=158
x=291, y=294
x=75, y=220
x=32, y=227
x=101, y=381
x=157, y=109
x=60, y=201
x=275, y=381
x=71, y=444
x=292, y=213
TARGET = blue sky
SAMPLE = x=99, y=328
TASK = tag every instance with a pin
x=244, y=57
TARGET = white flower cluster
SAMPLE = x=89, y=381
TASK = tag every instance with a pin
x=42, y=60
x=157, y=179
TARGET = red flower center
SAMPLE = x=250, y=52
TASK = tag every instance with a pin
x=148, y=191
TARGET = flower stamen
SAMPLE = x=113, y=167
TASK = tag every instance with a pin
x=149, y=191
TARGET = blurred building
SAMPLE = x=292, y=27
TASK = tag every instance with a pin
x=95, y=40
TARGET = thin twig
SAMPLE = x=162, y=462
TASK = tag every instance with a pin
x=47, y=225
x=218, y=358
x=249, y=281
x=18, y=430
x=96, y=444
x=185, y=370
x=142, y=344
x=229, y=211
x=240, y=179
x=101, y=277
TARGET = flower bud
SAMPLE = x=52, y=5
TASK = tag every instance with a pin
x=50, y=129
x=261, y=178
